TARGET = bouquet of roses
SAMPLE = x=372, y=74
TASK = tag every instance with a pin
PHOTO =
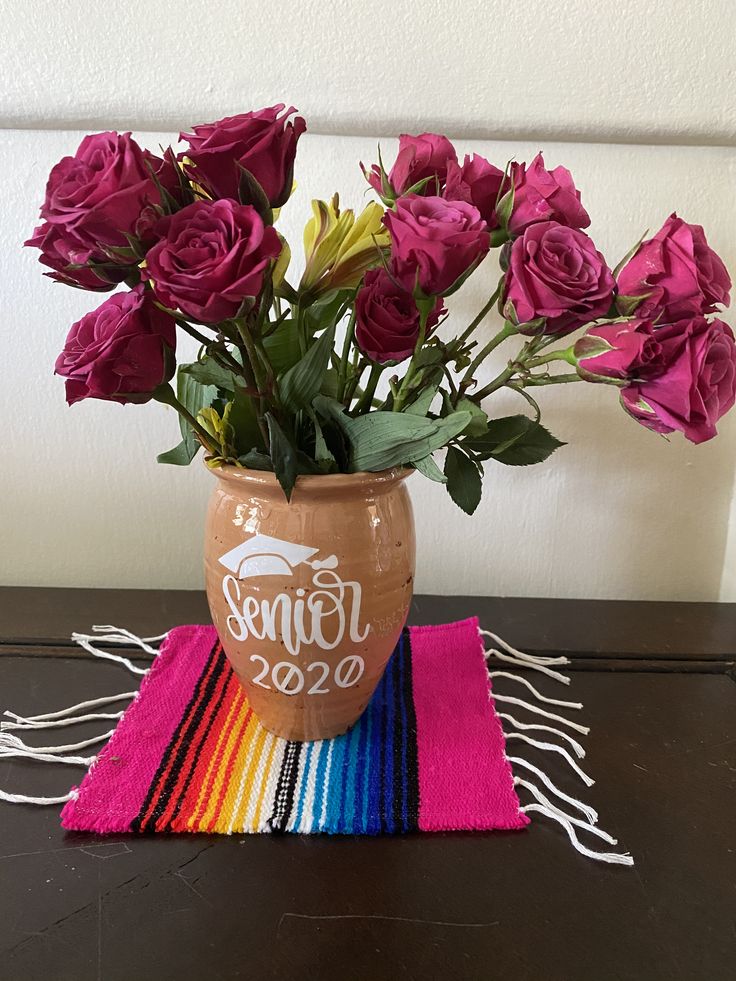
x=289, y=373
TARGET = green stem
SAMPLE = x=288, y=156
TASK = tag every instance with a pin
x=550, y=380
x=165, y=395
x=424, y=311
x=565, y=355
x=342, y=374
x=253, y=358
x=483, y=313
x=508, y=330
x=366, y=399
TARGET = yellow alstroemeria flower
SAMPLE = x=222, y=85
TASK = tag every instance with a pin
x=339, y=247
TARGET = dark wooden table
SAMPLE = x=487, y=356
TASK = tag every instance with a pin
x=657, y=681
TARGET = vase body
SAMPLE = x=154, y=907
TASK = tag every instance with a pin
x=309, y=597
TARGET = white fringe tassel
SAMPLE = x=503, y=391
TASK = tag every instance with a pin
x=541, y=803
x=12, y=747
x=22, y=799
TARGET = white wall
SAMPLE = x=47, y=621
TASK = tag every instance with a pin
x=616, y=513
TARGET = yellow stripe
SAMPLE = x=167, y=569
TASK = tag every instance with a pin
x=264, y=783
x=249, y=778
x=225, y=818
x=222, y=772
x=239, y=696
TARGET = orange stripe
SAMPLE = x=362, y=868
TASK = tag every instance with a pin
x=211, y=755
x=224, y=773
x=244, y=751
x=199, y=757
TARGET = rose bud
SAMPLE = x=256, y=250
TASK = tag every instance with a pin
x=210, y=257
x=424, y=157
x=556, y=273
x=676, y=273
x=387, y=318
x=120, y=352
x=93, y=200
x=618, y=351
x=435, y=244
x=544, y=195
x=263, y=142
x=478, y=182
x=693, y=383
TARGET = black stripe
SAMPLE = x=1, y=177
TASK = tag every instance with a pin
x=399, y=776
x=384, y=739
x=411, y=781
x=202, y=695
x=285, y=787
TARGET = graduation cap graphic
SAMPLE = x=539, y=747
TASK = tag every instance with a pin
x=266, y=556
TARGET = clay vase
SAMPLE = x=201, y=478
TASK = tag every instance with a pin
x=309, y=597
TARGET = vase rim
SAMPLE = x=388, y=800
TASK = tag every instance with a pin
x=331, y=482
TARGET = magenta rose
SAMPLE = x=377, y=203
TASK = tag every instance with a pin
x=211, y=256
x=619, y=351
x=435, y=243
x=387, y=318
x=119, y=352
x=425, y=156
x=69, y=260
x=478, y=182
x=691, y=384
x=679, y=271
x=93, y=200
x=544, y=195
x=557, y=273
x=263, y=142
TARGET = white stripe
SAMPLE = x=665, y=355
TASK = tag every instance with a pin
x=325, y=785
x=271, y=780
x=308, y=813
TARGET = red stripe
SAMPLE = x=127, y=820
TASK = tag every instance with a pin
x=192, y=750
x=183, y=735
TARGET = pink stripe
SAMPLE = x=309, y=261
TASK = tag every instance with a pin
x=112, y=793
x=465, y=780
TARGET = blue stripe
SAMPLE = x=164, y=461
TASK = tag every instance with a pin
x=347, y=805
x=319, y=784
x=402, y=655
x=376, y=709
x=334, y=790
x=365, y=763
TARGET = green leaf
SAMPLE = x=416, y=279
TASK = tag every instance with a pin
x=282, y=347
x=194, y=397
x=244, y=421
x=283, y=456
x=251, y=192
x=211, y=372
x=256, y=460
x=478, y=424
x=429, y=468
x=301, y=383
x=324, y=310
x=421, y=405
x=464, y=482
x=380, y=440
x=517, y=441
x=499, y=434
x=180, y=456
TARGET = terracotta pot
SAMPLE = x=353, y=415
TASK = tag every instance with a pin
x=309, y=597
